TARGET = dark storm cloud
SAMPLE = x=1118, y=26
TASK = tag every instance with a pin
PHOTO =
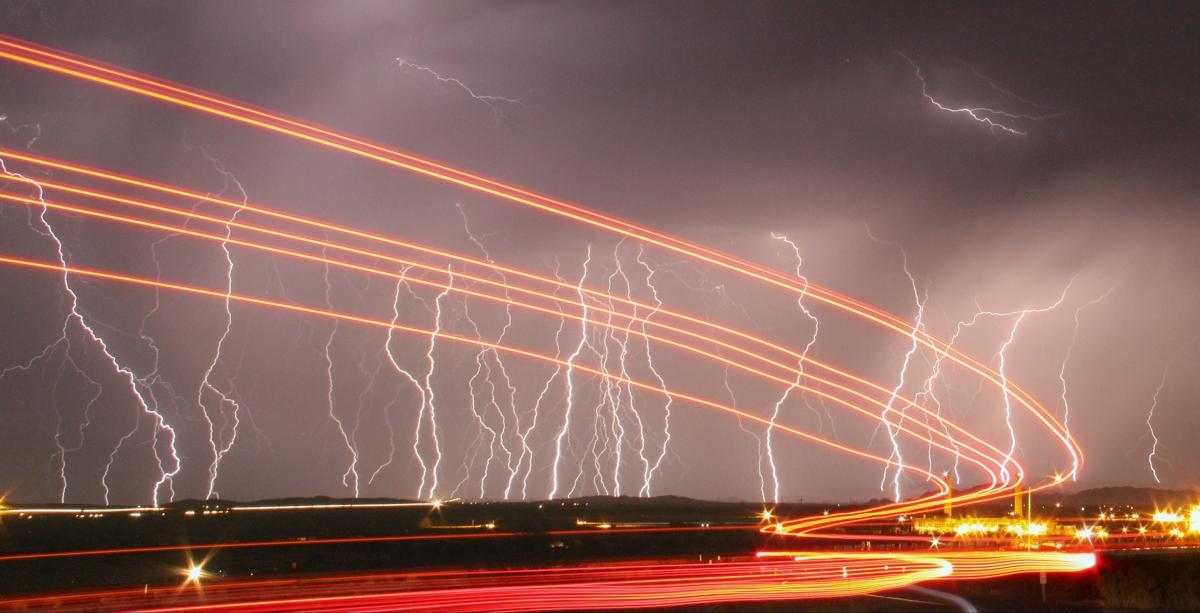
x=720, y=122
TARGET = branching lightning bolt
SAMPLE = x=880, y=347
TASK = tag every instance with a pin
x=983, y=115
x=570, y=380
x=799, y=363
x=223, y=398
x=148, y=407
x=489, y=101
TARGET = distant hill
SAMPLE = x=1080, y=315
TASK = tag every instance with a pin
x=1142, y=497
x=1132, y=496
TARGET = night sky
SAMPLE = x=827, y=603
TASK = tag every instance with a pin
x=722, y=123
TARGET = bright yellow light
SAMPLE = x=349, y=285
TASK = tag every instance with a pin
x=766, y=515
x=194, y=573
x=1167, y=517
x=1194, y=520
x=437, y=504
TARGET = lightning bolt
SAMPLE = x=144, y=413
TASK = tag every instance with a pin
x=570, y=380
x=494, y=355
x=662, y=453
x=625, y=372
x=1004, y=375
x=1062, y=371
x=1162, y=382
x=76, y=316
x=613, y=392
x=63, y=451
x=206, y=384
x=1053, y=112
x=429, y=410
x=483, y=366
x=928, y=393
x=992, y=118
x=758, y=441
x=400, y=370
x=799, y=363
x=352, y=468
x=917, y=329
x=489, y=101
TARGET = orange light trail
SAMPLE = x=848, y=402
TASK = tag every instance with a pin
x=932, y=499
x=559, y=313
x=62, y=63
x=802, y=527
x=688, y=319
x=804, y=575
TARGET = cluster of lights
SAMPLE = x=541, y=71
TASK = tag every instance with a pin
x=978, y=528
x=1167, y=517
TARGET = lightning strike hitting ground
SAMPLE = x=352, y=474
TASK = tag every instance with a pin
x=604, y=338
x=408, y=376
x=429, y=410
x=916, y=332
x=570, y=380
x=75, y=315
x=1162, y=382
x=350, y=477
x=223, y=398
x=799, y=364
x=1012, y=335
x=506, y=426
x=666, y=441
x=1062, y=371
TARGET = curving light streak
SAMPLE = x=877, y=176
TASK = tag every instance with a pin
x=989, y=463
x=682, y=317
x=327, y=261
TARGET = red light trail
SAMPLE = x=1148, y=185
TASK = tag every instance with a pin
x=794, y=575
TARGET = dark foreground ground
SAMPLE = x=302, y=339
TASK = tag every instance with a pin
x=520, y=535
